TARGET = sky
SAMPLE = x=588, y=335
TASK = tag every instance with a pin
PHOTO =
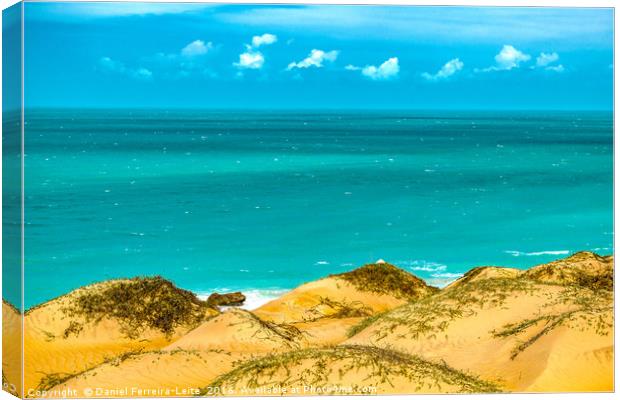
x=174, y=55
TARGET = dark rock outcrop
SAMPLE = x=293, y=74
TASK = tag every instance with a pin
x=226, y=299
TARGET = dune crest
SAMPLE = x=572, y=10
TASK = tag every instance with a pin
x=362, y=292
x=584, y=268
x=480, y=273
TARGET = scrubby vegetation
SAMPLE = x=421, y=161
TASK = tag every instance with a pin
x=589, y=306
x=584, y=269
x=387, y=279
x=365, y=323
x=139, y=304
x=596, y=282
x=266, y=330
x=587, y=290
x=332, y=366
x=74, y=328
x=51, y=380
x=329, y=308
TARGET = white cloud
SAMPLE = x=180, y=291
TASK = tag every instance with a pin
x=264, y=39
x=508, y=58
x=389, y=69
x=450, y=68
x=112, y=66
x=315, y=59
x=555, y=68
x=548, y=62
x=196, y=48
x=545, y=59
x=352, y=68
x=250, y=60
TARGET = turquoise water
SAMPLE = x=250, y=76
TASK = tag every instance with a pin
x=269, y=200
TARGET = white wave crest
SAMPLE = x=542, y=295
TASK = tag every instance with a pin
x=421, y=265
x=516, y=253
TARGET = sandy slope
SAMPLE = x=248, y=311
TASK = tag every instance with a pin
x=155, y=374
x=327, y=331
x=346, y=370
x=195, y=359
x=51, y=356
x=578, y=360
x=238, y=330
x=307, y=302
x=480, y=325
x=11, y=348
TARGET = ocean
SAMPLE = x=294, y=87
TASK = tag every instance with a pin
x=263, y=201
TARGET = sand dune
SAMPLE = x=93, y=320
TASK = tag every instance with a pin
x=514, y=331
x=377, y=329
x=239, y=330
x=61, y=340
x=159, y=373
x=365, y=291
x=204, y=353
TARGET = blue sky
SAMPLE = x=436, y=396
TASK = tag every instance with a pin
x=357, y=57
